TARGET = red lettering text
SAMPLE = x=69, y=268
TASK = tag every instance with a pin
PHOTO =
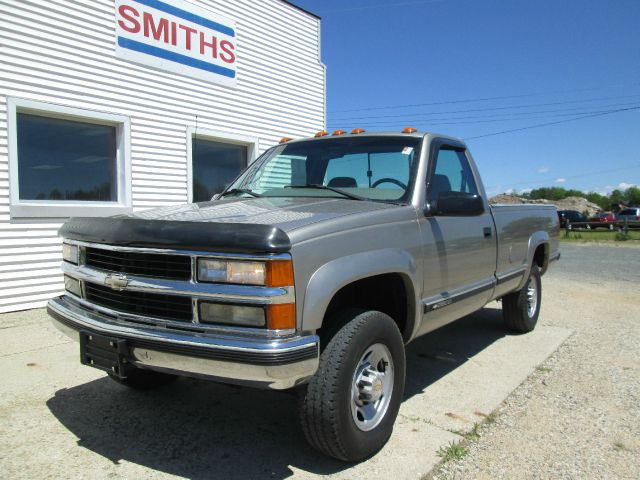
x=161, y=29
x=227, y=54
x=213, y=45
x=134, y=25
x=188, y=32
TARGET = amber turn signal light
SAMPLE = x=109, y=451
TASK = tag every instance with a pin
x=321, y=134
x=285, y=139
x=279, y=273
x=338, y=132
x=355, y=131
x=281, y=316
x=409, y=130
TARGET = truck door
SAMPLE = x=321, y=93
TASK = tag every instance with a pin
x=460, y=248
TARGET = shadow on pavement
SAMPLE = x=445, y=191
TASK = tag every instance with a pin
x=197, y=429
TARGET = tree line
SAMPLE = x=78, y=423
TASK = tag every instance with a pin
x=629, y=197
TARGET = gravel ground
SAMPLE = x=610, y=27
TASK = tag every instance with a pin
x=578, y=415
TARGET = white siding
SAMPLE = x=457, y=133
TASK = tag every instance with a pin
x=62, y=52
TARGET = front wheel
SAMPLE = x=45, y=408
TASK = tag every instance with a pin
x=520, y=309
x=351, y=403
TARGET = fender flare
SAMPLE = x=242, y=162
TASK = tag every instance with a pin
x=535, y=240
x=327, y=280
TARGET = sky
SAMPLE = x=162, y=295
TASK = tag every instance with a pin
x=474, y=68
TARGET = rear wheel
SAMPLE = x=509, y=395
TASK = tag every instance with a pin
x=140, y=379
x=351, y=403
x=520, y=309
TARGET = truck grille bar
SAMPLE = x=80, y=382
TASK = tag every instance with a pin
x=141, y=303
x=174, y=267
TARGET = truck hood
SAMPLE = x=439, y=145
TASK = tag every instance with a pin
x=252, y=225
x=286, y=213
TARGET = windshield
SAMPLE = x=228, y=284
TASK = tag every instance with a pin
x=358, y=168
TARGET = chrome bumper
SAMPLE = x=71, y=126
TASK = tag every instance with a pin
x=270, y=363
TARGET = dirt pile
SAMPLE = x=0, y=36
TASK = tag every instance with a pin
x=579, y=204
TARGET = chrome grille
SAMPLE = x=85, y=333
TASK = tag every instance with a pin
x=174, y=267
x=169, y=307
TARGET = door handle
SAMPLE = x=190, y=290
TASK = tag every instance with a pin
x=487, y=232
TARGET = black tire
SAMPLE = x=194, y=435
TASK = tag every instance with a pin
x=140, y=379
x=325, y=406
x=515, y=306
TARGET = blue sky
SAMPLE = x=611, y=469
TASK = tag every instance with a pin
x=556, y=60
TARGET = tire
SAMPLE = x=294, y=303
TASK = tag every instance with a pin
x=516, y=311
x=140, y=379
x=332, y=419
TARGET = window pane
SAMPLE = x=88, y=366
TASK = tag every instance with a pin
x=215, y=165
x=66, y=160
x=452, y=174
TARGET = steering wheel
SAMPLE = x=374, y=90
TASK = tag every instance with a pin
x=389, y=180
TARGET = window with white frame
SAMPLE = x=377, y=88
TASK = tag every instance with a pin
x=216, y=159
x=66, y=161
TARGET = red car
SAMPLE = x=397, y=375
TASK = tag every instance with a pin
x=603, y=220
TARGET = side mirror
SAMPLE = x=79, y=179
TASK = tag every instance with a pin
x=457, y=204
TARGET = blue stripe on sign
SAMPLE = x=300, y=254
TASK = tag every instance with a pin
x=175, y=57
x=192, y=17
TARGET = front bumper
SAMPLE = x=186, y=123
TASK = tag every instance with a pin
x=261, y=362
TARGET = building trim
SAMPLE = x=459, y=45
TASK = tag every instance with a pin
x=301, y=9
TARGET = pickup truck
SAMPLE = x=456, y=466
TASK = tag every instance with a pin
x=311, y=271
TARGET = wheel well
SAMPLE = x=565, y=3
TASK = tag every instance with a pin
x=541, y=255
x=389, y=293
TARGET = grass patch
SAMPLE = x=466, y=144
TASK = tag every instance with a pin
x=491, y=418
x=601, y=236
x=472, y=435
x=621, y=446
x=453, y=451
x=543, y=369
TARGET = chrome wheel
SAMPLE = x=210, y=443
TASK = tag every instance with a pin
x=372, y=387
x=532, y=296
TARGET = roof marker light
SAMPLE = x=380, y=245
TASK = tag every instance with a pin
x=285, y=139
x=321, y=133
x=356, y=131
x=338, y=132
x=408, y=130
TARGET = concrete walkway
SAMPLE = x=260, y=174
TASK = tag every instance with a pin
x=61, y=419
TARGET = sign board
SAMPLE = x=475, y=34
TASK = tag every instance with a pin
x=178, y=37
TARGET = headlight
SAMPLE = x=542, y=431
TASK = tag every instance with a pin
x=70, y=253
x=72, y=285
x=226, y=314
x=273, y=273
x=223, y=271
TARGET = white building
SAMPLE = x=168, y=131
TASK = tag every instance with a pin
x=111, y=106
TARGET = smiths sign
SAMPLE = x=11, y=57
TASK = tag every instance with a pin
x=177, y=36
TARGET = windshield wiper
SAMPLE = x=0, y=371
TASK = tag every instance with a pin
x=241, y=190
x=325, y=187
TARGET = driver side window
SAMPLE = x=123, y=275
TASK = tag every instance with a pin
x=452, y=173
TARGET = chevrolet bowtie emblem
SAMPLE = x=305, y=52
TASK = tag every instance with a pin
x=116, y=281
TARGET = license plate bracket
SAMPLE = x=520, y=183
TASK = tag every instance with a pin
x=105, y=353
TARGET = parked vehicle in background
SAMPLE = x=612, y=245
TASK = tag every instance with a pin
x=603, y=220
x=629, y=217
x=573, y=217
